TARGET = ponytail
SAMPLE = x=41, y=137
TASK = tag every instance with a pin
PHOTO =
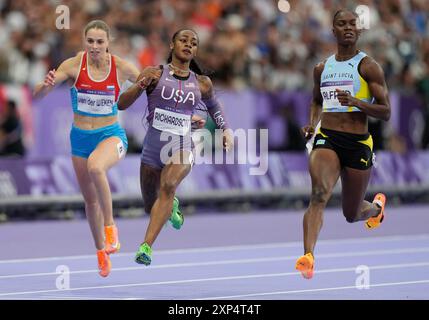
x=195, y=66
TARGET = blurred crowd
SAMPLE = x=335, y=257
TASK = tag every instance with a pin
x=247, y=43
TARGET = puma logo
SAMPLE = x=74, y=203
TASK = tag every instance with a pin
x=351, y=65
x=364, y=161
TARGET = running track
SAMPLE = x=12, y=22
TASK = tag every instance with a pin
x=222, y=256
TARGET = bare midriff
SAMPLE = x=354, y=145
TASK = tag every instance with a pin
x=92, y=123
x=351, y=122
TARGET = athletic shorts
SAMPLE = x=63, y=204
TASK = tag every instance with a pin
x=158, y=147
x=353, y=150
x=84, y=142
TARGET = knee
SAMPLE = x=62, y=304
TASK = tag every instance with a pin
x=350, y=216
x=168, y=187
x=350, y=219
x=319, y=195
x=91, y=205
x=95, y=170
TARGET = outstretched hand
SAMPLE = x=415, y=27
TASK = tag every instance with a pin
x=198, y=122
x=149, y=76
x=49, y=79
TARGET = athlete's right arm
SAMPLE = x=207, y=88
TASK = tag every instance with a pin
x=54, y=77
x=149, y=77
x=316, y=102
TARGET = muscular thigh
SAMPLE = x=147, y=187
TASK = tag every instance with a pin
x=177, y=168
x=107, y=153
x=325, y=169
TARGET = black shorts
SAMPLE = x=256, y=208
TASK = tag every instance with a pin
x=353, y=150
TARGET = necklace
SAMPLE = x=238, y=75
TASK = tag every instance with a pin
x=176, y=68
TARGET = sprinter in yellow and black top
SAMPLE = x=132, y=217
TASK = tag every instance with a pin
x=349, y=86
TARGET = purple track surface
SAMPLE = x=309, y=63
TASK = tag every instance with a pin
x=223, y=256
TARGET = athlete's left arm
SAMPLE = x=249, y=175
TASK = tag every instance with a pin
x=374, y=75
x=215, y=109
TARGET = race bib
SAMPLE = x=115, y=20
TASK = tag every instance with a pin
x=172, y=122
x=329, y=94
x=95, y=102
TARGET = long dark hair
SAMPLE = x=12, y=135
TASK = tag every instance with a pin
x=194, y=64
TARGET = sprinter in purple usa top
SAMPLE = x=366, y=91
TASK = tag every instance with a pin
x=174, y=91
x=171, y=105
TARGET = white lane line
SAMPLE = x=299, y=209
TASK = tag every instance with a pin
x=253, y=276
x=72, y=298
x=228, y=262
x=424, y=236
x=386, y=284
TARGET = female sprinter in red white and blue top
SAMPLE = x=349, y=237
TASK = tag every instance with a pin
x=97, y=140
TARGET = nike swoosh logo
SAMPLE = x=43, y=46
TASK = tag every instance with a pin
x=168, y=79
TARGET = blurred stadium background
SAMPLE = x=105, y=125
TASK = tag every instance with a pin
x=262, y=59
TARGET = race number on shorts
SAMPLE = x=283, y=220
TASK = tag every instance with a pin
x=121, y=149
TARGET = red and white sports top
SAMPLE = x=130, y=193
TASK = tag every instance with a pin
x=95, y=98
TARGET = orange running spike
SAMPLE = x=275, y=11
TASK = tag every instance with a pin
x=111, y=244
x=305, y=264
x=374, y=222
x=104, y=264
